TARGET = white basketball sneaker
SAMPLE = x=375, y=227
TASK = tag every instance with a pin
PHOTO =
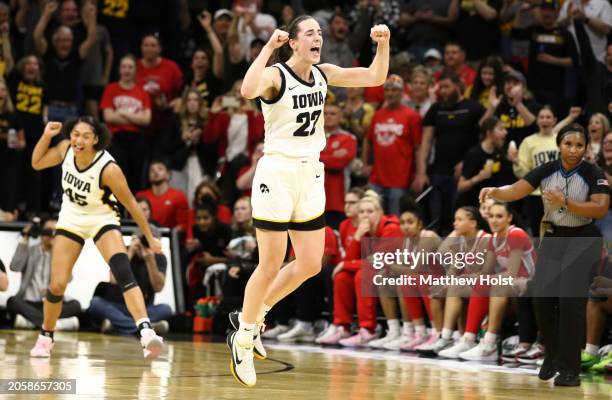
x=42, y=348
x=241, y=364
x=152, y=344
x=258, y=347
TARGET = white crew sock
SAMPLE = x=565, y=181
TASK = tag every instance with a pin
x=407, y=328
x=244, y=336
x=420, y=330
x=490, y=338
x=394, y=325
x=592, y=349
x=469, y=337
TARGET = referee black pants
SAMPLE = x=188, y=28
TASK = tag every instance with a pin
x=567, y=261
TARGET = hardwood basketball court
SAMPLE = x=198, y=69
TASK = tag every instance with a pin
x=112, y=367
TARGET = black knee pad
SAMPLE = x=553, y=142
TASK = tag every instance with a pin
x=51, y=298
x=122, y=270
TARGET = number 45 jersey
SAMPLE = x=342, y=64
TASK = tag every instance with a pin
x=87, y=206
x=294, y=118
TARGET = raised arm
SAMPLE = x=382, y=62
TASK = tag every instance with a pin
x=44, y=156
x=21, y=17
x=374, y=75
x=205, y=20
x=260, y=80
x=89, y=19
x=40, y=42
x=487, y=12
x=113, y=178
x=573, y=114
x=7, y=50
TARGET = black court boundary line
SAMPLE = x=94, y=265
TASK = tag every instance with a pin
x=287, y=367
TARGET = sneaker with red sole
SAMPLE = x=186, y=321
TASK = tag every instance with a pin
x=361, y=339
x=533, y=355
x=332, y=335
x=512, y=355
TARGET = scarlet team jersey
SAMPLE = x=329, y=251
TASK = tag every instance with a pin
x=294, y=118
x=482, y=241
x=394, y=134
x=515, y=239
x=347, y=231
x=388, y=228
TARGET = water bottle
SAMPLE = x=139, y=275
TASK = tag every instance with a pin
x=12, y=141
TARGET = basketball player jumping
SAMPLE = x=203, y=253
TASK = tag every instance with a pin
x=288, y=191
x=90, y=180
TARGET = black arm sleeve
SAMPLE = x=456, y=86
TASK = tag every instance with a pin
x=598, y=183
x=535, y=176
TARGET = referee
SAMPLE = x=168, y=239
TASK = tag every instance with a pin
x=575, y=193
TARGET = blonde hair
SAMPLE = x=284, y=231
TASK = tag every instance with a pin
x=248, y=226
x=202, y=109
x=7, y=107
x=604, y=121
x=370, y=196
x=423, y=72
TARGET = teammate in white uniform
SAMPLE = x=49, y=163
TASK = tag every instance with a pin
x=288, y=191
x=90, y=180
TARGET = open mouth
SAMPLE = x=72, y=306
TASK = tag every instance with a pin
x=316, y=51
x=77, y=148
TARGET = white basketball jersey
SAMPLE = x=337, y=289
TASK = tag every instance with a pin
x=294, y=118
x=83, y=191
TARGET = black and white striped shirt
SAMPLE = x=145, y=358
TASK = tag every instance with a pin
x=578, y=185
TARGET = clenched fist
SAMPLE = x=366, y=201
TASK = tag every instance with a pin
x=278, y=39
x=380, y=34
x=52, y=129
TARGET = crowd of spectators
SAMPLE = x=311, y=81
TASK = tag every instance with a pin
x=476, y=92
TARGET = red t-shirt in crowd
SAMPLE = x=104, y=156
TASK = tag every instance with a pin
x=118, y=98
x=170, y=209
x=166, y=78
x=466, y=73
x=394, y=134
x=376, y=94
x=340, y=150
